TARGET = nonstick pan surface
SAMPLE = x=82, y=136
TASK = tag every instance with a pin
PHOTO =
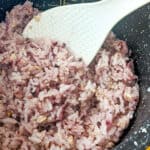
x=135, y=29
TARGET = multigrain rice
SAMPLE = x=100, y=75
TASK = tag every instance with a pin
x=50, y=100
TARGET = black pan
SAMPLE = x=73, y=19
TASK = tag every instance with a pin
x=135, y=29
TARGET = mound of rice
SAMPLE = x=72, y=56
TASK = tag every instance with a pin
x=50, y=100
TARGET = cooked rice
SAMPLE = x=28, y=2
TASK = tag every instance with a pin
x=50, y=100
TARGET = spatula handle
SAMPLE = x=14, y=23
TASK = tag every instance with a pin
x=120, y=8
